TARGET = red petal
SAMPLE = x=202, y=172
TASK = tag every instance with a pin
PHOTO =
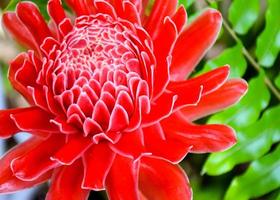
x=160, y=109
x=8, y=182
x=160, y=10
x=97, y=160
x=225, y=96
x=75, y=146
x=180, y=18
x=40, y=120
x=164, y=181
x=124, y=147
x=19, y=31
x=81, y=7
x=15, y=66
x=30, y=15
x=193, y=43
x=105, y=7
x=23, y=166
x=202, y=138
x=165, y=148
x=122, y=180
x=119, y=119
x=66, y=183
x=209, y=81
x=7, y=125
x=56, y=11
x=168, y=34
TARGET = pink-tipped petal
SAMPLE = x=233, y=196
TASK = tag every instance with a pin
x=159, y=179
x=193, y=43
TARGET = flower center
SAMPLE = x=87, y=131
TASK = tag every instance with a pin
x=97, y=78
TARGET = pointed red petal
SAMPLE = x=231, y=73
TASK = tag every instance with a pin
x=193, y=43
x=180, y=18
x=8, y=182
x=202, y=138
x=30, y=15
x=159, y=179
x=123, y=185
x=56, y=11
x=165, y=148
x=15, y=66
x=97, y=160
x=124, y=147
x=210, y=81
x=160, y=10
x=40, y=120
x=225, y=96
x=19, y=31
x=23, y=166
x=75, y=146
x=7, y=125
x=66, y=183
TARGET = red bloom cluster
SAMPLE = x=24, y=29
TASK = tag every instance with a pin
x=110, y=103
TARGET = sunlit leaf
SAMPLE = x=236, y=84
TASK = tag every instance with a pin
x=268, y=43
x=253, y=142
x=261, y=177
x=232, y=56
x=243, y=14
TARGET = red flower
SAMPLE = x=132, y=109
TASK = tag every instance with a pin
x=109, y=104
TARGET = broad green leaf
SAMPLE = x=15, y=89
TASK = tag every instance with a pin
x=247, y=111
x=42, y=4
x=253, y=142
x=261, y=177
x=243, y=14
x=232, y=56
x=268, y=43
x=277, y=81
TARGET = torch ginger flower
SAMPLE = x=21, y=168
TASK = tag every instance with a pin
x=111, y=106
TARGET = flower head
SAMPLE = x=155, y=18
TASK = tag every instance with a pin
x=111, y=106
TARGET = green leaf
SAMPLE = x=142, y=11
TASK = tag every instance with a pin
x=268, y=43
x=277, y=81
x=247, y=111
x=261, y=177
x=42, y=4
x=232, y=56
x=243, y=14
x=186, y=3
x=253, y=142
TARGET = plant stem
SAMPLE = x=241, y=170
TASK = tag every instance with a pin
x=252, y=61
x=248, y=56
